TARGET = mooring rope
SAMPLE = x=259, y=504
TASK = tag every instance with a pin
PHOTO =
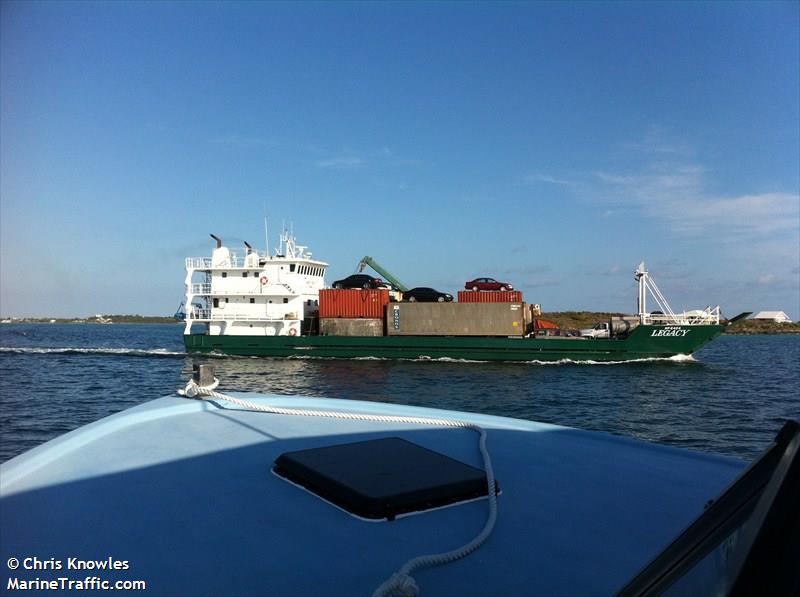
x=401, y=583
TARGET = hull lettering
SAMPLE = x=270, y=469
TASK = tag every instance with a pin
x=670, y=331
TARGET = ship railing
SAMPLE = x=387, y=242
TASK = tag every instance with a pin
x=200, y=288
x=249, y=318
x=242, y=317
x=207, y=315
x=707, y=316
x=198, y=263
x=204, y=289
x=234, y=261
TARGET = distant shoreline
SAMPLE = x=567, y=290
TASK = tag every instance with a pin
x=564, y=319
x=104, y=320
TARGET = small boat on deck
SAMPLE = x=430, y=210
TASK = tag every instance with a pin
x=253, y=494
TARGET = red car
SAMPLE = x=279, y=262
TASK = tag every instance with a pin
x=487, y=284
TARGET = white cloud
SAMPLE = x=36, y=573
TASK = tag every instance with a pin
x=342, y=162
x=762, y=214
x=535, y=178
x=767, y=280
x=677, y=193
x=237, y=140
x=528, y=269
x=746, y=241
x=660, y=140
x=674, y=188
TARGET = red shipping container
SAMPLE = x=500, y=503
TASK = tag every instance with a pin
x=353, y=303
x=489, y=296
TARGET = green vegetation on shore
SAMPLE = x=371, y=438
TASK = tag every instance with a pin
x=749, y=326
x=140, y=319
x=576, y=320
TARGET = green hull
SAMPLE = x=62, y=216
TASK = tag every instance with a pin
x=645, y=342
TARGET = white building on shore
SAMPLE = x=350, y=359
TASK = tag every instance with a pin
x=776, y=316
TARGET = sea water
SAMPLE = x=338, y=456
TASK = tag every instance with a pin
x=730, y=398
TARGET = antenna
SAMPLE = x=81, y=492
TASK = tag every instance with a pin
x=266, y=231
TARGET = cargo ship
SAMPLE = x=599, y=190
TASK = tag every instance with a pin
x=278, y=305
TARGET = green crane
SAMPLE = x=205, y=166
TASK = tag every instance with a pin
x=369, y=261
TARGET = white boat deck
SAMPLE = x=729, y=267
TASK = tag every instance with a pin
x=183, y=491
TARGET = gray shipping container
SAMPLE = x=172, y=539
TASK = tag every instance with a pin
x=455, y=319
x=340, y=326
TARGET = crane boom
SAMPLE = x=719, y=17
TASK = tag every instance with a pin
x=369, y=261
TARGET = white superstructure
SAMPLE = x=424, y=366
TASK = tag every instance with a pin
x=255, y=295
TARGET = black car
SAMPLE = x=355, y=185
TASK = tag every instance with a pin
x=426, y=295
x=358, y=281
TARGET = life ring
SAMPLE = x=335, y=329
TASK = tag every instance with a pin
x=264, y=280
x=292, y=332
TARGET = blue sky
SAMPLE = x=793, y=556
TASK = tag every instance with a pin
x=552, y=145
